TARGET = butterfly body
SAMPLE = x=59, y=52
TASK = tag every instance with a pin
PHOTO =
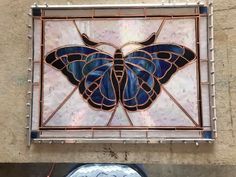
x=118, y=64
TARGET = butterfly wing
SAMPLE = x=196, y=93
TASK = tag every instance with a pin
x=70, y=61
x=99, y=86
x=91, y=70
x=168, y=58
x=148, y=68
x=141, y=88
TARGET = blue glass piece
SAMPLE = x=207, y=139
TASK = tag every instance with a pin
x=142, y=74
x=203, y=10
x=150, y=93
x=98, y=56
x=163, y=55
x=164, y=47
x=107, y=86
x=90, y=79
x=139, y=54
x=189, y=55
x=95, y=74
x=108, y=102
x=132, y=85
x=97, y=96
x=95, y=64
x=207, y=134
x=74, y=49
x=161, y=67
x=34, y=134
x=142, y=97
x=173, y=58
x=36, y=12
x=65, y=60
x=76, y=69
x=131, y=102
x=58, y=64
x=75, y=57
x=50, y=57
x=145, y=64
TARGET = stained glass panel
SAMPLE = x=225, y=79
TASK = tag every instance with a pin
x=121, y=74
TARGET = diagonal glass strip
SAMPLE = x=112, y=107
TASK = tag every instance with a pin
x=119, y=111
x=160, y=28
x=60, y=105
x=131, y=123
x=112, y=116
x=179, y=105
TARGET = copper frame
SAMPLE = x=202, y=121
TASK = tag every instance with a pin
x=195, y=16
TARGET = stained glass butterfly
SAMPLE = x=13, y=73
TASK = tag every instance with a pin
x=134, y=80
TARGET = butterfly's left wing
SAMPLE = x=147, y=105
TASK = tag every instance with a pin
x=148, y=68
x=70, y=60
x=91, y=70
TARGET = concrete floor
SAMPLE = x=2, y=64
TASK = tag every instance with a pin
x=152, y=170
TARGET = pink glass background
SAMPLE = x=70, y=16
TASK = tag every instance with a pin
x=164, y=112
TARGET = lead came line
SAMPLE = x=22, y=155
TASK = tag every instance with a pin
x=113, y=113
x=160, y=28
x=112, y=116
x=129, y=119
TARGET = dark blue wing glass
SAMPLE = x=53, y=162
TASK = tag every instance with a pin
x=148, y=68
x=70, y=61
x=138, y=89
x=97, y=86
x=141, y=59
x=76, y=69
x=162, y=67
x=164, y=48
x=132, y=85
x=168, y=58
x=89, y=69
x=74, y=50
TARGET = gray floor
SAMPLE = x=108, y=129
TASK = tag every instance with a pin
x=60, y=170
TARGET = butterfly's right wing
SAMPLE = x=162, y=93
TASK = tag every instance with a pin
x=140, y=88
x=168, y=59
x=148, y=68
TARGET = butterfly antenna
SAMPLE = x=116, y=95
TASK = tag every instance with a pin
x=151, y=39
x=87, y=41
x=77, y=28
x=160, y=28
x=91, y=43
